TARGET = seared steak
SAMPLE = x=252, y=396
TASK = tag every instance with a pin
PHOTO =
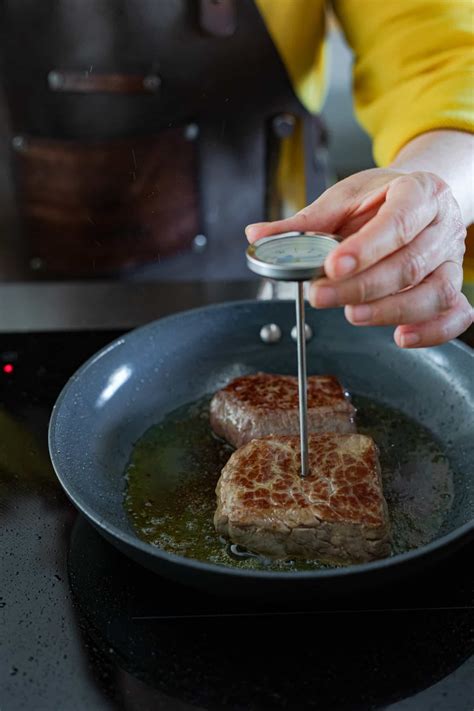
x=257, y=405
x=336, y=514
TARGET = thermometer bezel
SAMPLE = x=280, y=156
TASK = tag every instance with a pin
x=287, y=272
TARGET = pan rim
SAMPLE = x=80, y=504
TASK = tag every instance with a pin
x=117, y=534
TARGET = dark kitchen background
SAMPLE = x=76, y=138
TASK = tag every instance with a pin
x=349, y=150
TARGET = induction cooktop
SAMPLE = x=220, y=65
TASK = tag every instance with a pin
x=83, y=627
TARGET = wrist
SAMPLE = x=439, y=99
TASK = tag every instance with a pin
x=449, y=155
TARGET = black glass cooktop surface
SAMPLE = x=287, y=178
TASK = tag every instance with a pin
x=82, y=627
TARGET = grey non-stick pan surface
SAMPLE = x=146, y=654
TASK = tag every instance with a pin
x=132, y=383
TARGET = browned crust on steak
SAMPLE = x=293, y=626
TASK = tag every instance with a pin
x=258, y=405
x=336, y=514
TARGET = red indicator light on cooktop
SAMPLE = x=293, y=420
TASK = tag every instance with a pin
x=8, y=368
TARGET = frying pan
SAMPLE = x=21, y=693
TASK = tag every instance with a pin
x=139, y=378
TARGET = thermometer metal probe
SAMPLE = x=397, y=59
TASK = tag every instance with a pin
x=298, y=257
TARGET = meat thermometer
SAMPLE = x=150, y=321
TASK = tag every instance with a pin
x=298, y=257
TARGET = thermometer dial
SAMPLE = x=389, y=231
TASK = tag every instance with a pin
x=292, y=256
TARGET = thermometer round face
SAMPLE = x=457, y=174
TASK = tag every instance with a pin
x=292, y=256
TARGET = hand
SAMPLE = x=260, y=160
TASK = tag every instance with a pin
x=400, y=261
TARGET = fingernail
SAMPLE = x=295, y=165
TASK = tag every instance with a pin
x=250, y=229
x=409, y=339
x=345, y=265
x=361, y=313
x=324, y=297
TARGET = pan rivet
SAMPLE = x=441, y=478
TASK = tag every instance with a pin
x=199, y=243
x=270, y=333
x=308, y=332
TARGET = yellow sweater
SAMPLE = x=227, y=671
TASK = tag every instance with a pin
x=414, y=62
x=413, y=71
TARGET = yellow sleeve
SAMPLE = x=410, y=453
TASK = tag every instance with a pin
x=414, y=67
x=297, y=28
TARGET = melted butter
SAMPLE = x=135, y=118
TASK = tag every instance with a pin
x=174, y=468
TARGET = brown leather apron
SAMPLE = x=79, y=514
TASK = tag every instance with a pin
x=145, y=132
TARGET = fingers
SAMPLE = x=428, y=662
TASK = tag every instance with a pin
x=317, y=217
x=438, y=293
x=405, y=268
x=411, y=203
x=329, y=211
x=431, y=313
x=432, y=333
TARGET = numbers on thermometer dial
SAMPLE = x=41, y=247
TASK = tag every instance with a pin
x=299, y=251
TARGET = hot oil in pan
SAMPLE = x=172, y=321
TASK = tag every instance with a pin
x=175, y=466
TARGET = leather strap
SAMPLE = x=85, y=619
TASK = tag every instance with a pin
x=88, y=82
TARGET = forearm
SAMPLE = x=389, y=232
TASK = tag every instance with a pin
x=450, y=155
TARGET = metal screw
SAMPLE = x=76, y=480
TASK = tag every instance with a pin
x=199, y=243
x=152, y=82
x=308, y=332
x=283, y=125
x=270, y=333
x=18, y=143
x=36, y=263
x=55, y=80
x=191, y=132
